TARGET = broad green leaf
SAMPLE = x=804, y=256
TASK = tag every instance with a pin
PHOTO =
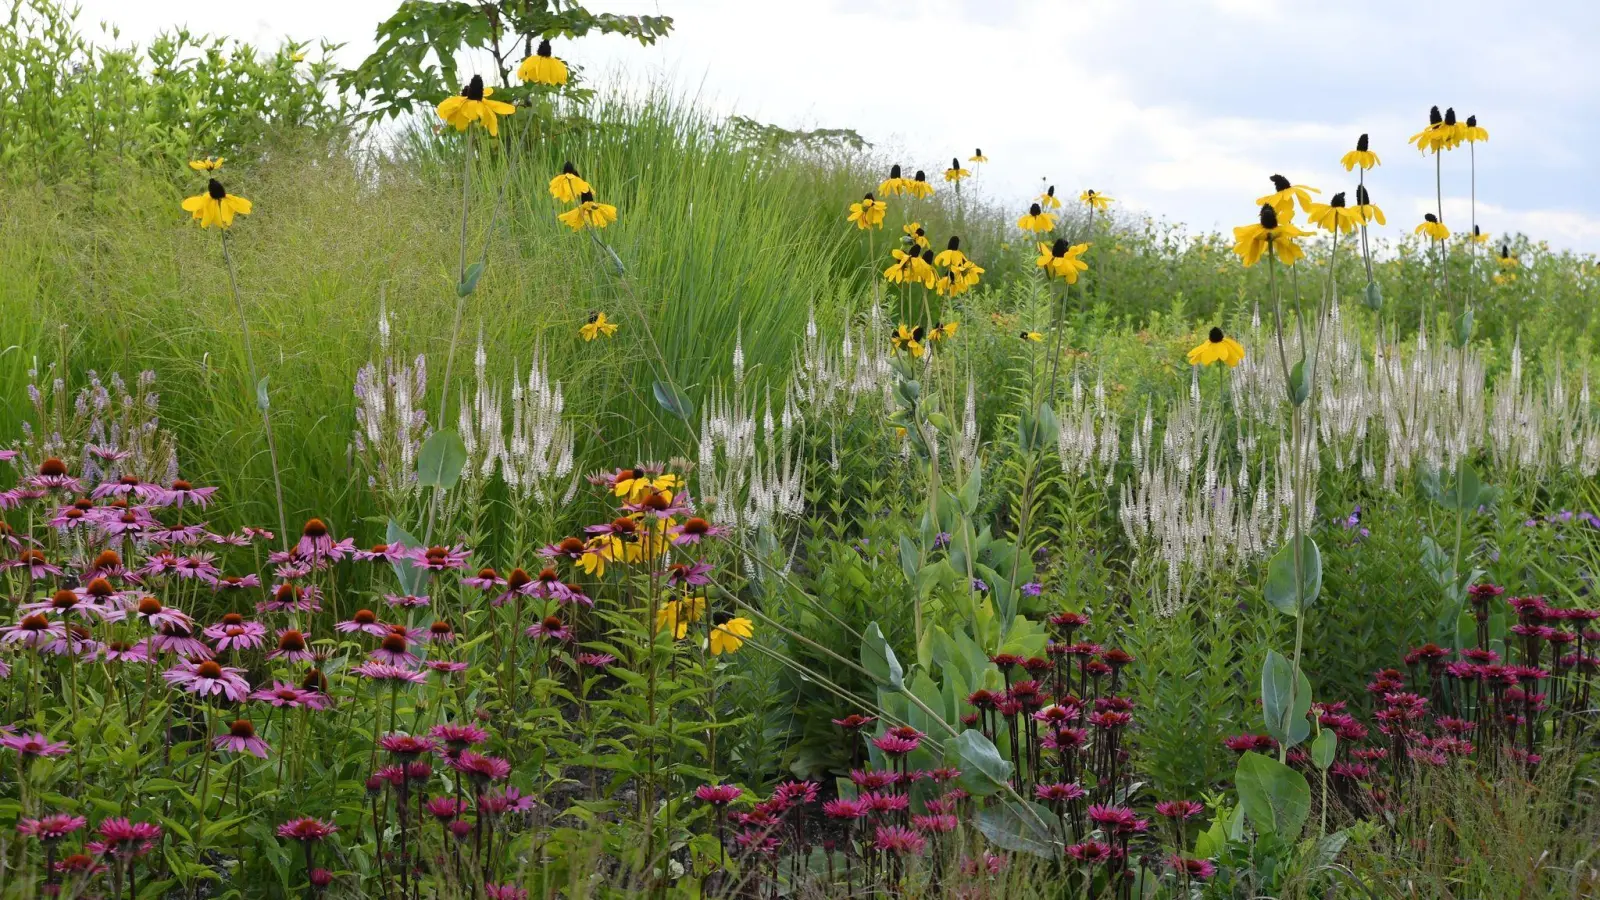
x=1299, y=383
x=1285, y=716
x=673, y=400
x=1324, y=748
x=1019, y=826
x=983, y=771
x=411, y=577
x=262, y=400
x=878, y=658
x=1280, y=586
x=1374, y=296
x=1276, y=798
x=972, y=490
x=441, y=459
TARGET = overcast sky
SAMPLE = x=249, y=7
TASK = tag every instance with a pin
x=1181, y=109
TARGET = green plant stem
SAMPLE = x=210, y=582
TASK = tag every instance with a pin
x=255, y=380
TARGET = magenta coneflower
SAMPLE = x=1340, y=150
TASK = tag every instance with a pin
x=125, y=652
x=182, y=493
x=241, y=738
x=844, y=808
x=596, y=660
x=1259, y=743
x=480, y=768
x=439, y=559
x=569, y=547
x=718, y=794
x=235, y=633
x=293, y=645
x=1059, y=792
x=187, y=535
x=694, y=530
x=75, y=640
x=151, y=612
x=317, y=544
x=440, y=632
x=34, y=561
x=662, y=505
x=119, y=836
x=52, y=476
x=65, y=602
x=486, y=580
x=382, y=553
x=444, y=808
x=395, y=651
x=306, y=829
x=207, y=678
x=899, y=841
x=1091, y=852
x=229, y=583
x=855, y=721
x=407, y=601
x=941, y=823
x=198, y=566
x=1193, y=869
x=285, y=694
x=406, y=747
x=52, y=828
x=445, y=666
x=550, y=627
x=505, y=800
x=682, y=575
x=1179, y=809
x=33, y=745
x=458, y=737
x=884, y=803
x=128, y=487
x=33, y=631
x=290, y=597
x=504, y=892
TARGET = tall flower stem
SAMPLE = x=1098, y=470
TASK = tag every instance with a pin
x=255, y=379
x=461, y=276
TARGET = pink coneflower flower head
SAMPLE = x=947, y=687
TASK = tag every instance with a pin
x=1059, y=792
x=1179, y=809
x=241, y=738
x=718, y=794
x=128, y=487
x=395, y=650
x=52, y=476
x=1193, y=869
x=365, y=621
x=208, y=678
x=317, y=544
x=406, y=747
x=479, y=768
x=855, y=721
x=895, y=746
x=293, y=645
x=52, y=828
x=883, y=803
x=486, y=580
x=120, y=835
x=1090, y=852
x=596, y=660
x=550, y=628
x=285, y=694
x=438, y=559
x=843, y=808
x=1112, y=818
x=872, y=779
x=682, y=575
x=458, y=737
x=693, y=530
x=795, y=792
x=306, y=829
x=230, y=583
x=897, y=840
x=33, y=631
x=151, y=612
x=182, y=493
x=504, y=892
x=1259, y=743
x=444, y=808
x=505, y=800
x=445, y=666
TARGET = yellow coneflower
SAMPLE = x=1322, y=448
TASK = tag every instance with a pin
x=1454, y=131
x=1478, y=236
x=914, y=234
x=209, y=164
x=954, y=282
x=977, y=156
x=1433, y=228
x=473, y=105
x=918, y=186
x=951, y=255
x=1048, y=199
x=216, y=206
x=955, y=173
x=729, y=635
x=1472, y=132
x=1036, y=220
x=1360, y=156
x=949, y=329
x=970, y=272
x=588, y=213
x=597, y=326
x=1096, y=200
x=1268, y=236
x=1334, y=215
x=1060, y=260
x=1284, y=195
x=569, y=185
x=1506, y=259
x=908, y=339
x=1368, y=210
x=1217, y=347
x=542, y=68
x=868, y=213
x=909, y=268
x=1031, y=336
x=1436, y=136
x=895, y=184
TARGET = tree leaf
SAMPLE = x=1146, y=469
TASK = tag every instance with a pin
x=673, y=400
x=878, y=658
x=1019, y=826
x=1280, y=586
x=1276, y=798
x=983, y=771
x=1285, y=716
x=441, y=459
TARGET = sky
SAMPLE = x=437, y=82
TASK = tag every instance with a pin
x=1179, y=109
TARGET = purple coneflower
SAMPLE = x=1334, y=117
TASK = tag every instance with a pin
x=694, y=530
x=445, y=666
x=389, y=553
x=128, y=487
x=34, y=561
x=1193, y=869
x=1179, y=809
x=504, y=892
x=550, y=627
x=439, y=559
x=441, y=632
x=52, y=828
x=681, y=575
x=34, y=745
x=395, y=651
x=458, y=737
x=234, y=633
x=479, y=768
x=120, y=836
x=487, y=579
x=241, y=738
x=292, y=646
x=182, y=493
x=33, y=631
x=406, y=747
x=596, y=660
x=1091, y=852
x=178, y=639
x=718, y=794
x=285, y=694
x=444, y=808
x=207, y=678
x=306, y=829
x=317, y=544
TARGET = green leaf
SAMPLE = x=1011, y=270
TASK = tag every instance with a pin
x=1019, y=826
x=971, y=491
x=441, y=459
x=1276, y=798
x=983, y=771
x=1464, y=328
x=1285, y=715
x=262, y=401
x=878, y=658
x=410, y=577
x=673, y=400
x=1280, y=586
x=908, y=558
x=1374, y=296
x=1299, y=384
x=469, y=281
x=1324, y=748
